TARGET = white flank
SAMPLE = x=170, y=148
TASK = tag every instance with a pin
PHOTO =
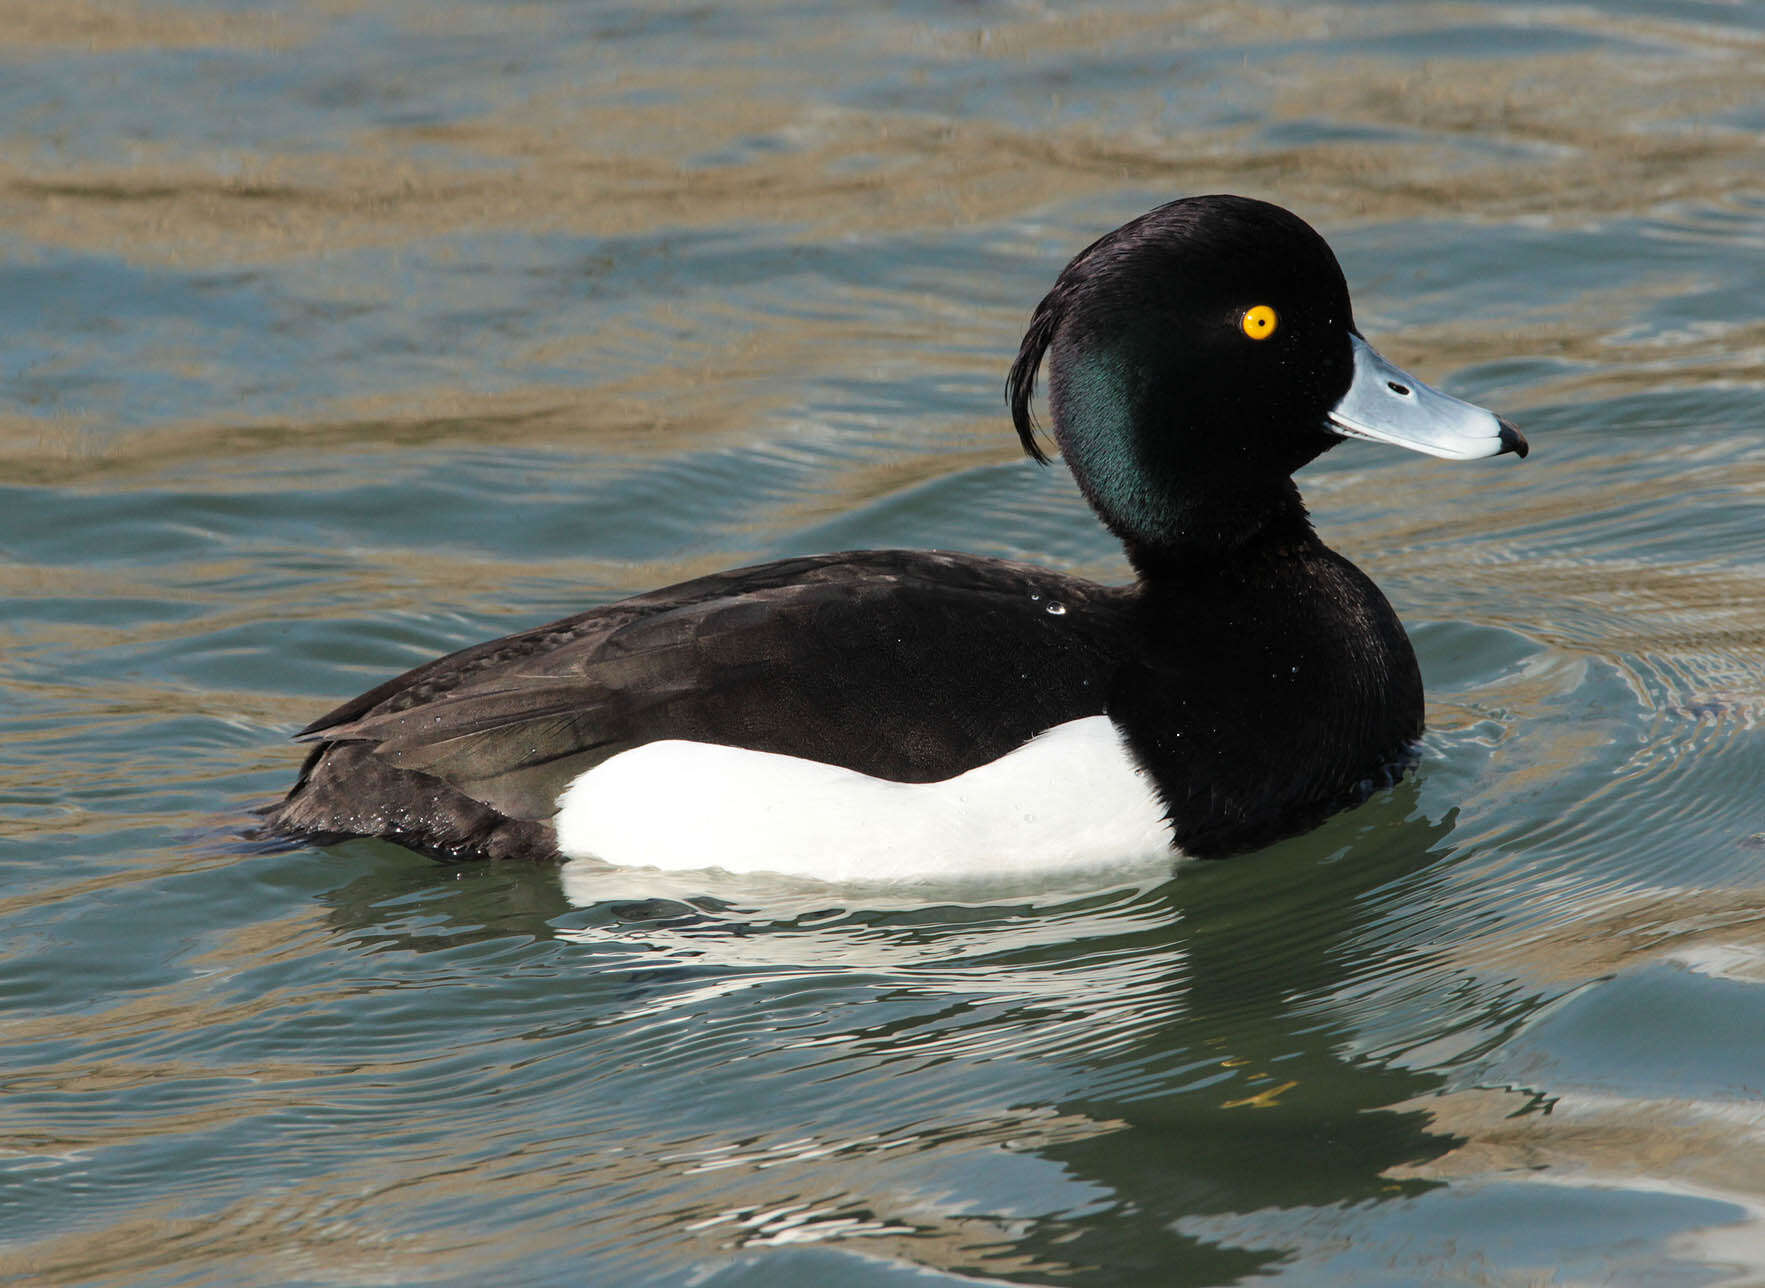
x=1072, y=797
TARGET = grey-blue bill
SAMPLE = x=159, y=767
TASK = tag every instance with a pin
x=1385, y=404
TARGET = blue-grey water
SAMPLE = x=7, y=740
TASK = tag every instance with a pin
x=334, y=336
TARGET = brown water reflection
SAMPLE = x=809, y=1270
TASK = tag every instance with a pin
x=1590, y=133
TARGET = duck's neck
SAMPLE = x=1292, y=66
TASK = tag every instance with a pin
x=1215, y=530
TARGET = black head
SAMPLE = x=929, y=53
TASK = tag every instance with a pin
x=1194, y=356
x=1200, y=354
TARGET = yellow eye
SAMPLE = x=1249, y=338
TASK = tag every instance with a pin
x=1259, y=323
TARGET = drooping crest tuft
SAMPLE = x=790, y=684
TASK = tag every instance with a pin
x=1020, y=385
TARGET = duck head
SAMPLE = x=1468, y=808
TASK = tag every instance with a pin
x=1198, y=356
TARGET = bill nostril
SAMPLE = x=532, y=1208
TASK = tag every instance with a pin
x=1402, y=391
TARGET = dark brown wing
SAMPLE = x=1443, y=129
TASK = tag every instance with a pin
x=906, y=665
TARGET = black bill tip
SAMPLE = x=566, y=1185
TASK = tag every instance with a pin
x=1512, y=440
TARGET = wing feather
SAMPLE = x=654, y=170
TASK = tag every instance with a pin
x=905, y=665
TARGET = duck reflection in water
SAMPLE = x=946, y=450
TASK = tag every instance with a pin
x=1113, y=1066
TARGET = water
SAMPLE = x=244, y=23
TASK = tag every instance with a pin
x=338, y=336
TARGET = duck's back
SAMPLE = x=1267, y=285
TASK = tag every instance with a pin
x=901, y=665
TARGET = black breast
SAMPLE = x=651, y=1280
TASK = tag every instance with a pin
x=1281, y=688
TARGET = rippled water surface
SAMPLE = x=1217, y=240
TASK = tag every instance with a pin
x=335, y=336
